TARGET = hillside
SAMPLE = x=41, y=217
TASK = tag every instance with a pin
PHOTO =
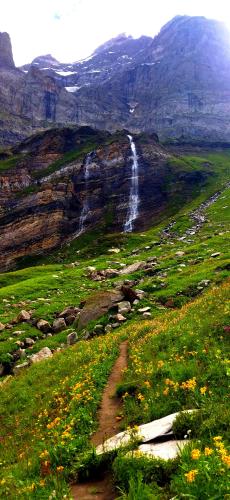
x=177, y=336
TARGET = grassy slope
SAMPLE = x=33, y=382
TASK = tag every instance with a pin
x=23, y=469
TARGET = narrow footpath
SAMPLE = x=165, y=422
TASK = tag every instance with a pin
x=108, y=426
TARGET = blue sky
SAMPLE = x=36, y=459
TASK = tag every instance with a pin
x=72, y=29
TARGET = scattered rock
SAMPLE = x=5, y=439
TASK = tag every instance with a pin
x=69, y=311
x=147, y=315
x=59, y=325
x=216, y=254
x=179, y=253
x=49, y=335
x=71, y=338
x=144, y=309
x=132, y=268
x=41, y=355
x=124, y=307
x=108, y=328
x=129, y=294
x=43, y=326
x=140, y=294
x=23, y=316
x=29, y=342
x=98, y=329
x=70, y=319
x=120, y=318
x=151, y=259
x=115, y=325
x=114, y=250
x=19, y=368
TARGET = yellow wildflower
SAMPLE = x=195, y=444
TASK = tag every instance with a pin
x=125, y=395
x=191, y=475
x=147, y=383
x=140, y=397
x=195, y=454
x=42, y=482
x=166, y=391
x=160, y=364
x=60, y=468
x=44, y=454
x=208, y=451
x=217, y=438
x=3, y=481
x=203, y=390
x=226, y=459
x=189, y=384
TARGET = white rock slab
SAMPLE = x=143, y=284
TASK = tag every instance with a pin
x=145, y=433
x=166, y=450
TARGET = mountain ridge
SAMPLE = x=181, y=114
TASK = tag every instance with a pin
x=175, y=84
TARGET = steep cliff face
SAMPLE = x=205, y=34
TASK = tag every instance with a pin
x=61, y=183
x=176, y=84
x=6, y=54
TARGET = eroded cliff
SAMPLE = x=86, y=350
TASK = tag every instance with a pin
x=44, y=188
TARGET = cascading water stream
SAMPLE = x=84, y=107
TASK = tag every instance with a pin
x=85, y=208
x=134, y=194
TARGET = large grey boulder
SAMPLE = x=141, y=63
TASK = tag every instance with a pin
x=96, y=306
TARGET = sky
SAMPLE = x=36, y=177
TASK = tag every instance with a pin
x=72, y=29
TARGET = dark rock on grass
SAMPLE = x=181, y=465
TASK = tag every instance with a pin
x=96, y=306
x=23, y=316
x=98, y=329
x=129, y=294
x=43, y=325
x=69, y=311
x=72, y=338
x=70, y=319
x=59, y=325
x=29, y=342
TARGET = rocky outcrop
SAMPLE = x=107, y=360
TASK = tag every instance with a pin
x=6, y=54
x=44, y=190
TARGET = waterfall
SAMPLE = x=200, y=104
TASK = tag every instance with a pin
x=85, y=208
x=133, y=195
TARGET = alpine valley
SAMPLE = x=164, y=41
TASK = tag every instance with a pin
x=114, y=269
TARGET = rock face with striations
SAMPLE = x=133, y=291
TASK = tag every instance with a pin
x=46, y=197
x=176, y=84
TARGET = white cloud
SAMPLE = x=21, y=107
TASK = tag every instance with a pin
x=72, y=29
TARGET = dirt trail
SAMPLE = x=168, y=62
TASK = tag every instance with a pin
x=108, y=426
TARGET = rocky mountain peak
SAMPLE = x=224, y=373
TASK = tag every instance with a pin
x=6, y=54
x=45, y=61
